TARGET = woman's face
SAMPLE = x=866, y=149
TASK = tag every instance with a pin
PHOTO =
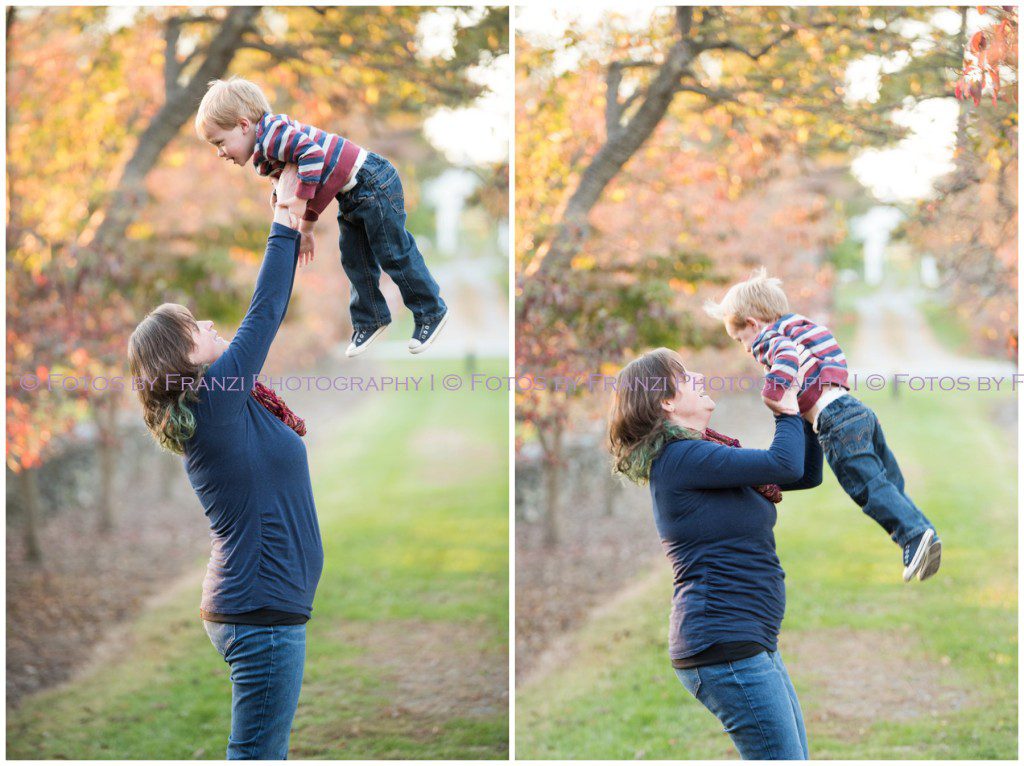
x=691, y=406
x=208, y=344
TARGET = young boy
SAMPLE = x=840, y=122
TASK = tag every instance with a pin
x=796, y=351
x=235, y=117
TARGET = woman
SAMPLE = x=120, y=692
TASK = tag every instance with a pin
x=247, y=463
x=714, y=507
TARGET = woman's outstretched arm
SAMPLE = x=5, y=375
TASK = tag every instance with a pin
x=705, y=465
x=812, y=462
x=233, y=374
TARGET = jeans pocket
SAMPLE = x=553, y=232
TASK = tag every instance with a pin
x=391, y=187
x=690, y=678
x=222, y=635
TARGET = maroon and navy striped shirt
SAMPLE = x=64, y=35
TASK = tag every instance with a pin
x=325, y=160
x=793, y=348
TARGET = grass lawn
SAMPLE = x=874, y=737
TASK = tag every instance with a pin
x=412, y=494
x=853, y=631
x=949, y=326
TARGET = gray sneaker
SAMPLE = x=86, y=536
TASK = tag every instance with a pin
x=934, y=560
x=915, y=554
x=361, y=340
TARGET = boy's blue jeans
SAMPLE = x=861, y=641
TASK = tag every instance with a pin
x=266, y=664
x=371, y=218
x=756, y=703
x=855, y=448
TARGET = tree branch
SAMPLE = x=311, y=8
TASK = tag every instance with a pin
x=172, y=67
x=613, y=108
x=712, y=94
x=735, y=46
x=280, y=52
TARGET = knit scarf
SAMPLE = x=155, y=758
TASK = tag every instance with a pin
x=768, y=491
x=276, y=406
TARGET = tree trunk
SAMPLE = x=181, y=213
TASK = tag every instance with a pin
x=612, y=493
x=179, y=106
x=169, y=469
x=553, y=465
x=963, y=158
x=30, y=495
x=105, y=415
x=621, y=143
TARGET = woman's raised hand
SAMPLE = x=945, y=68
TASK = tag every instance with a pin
x=286, y=192
x=787, y=405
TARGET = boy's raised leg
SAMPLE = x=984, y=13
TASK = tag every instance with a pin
x=874, y=480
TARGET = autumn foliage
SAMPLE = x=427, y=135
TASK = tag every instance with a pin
x=990, y=51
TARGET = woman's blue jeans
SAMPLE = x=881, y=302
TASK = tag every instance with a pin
x=266, y=664
x=756, y=703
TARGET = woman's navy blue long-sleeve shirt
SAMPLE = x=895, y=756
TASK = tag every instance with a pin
x=717, y=533
x=250, y=470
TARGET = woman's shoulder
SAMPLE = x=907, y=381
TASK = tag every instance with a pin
x=676, y=453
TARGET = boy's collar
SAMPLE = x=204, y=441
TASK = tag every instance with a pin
x=767, y=327
x=261, y=123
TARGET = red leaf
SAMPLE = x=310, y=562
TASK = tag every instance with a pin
x=977, y=42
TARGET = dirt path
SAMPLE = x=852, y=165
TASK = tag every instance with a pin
x=893, y=336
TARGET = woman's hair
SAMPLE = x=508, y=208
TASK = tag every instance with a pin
x=760, y=297
x=228, y=101
x=638, y=428
x=158, y=360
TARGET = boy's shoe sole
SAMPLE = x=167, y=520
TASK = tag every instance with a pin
x=931, y=566
x=440, y=326
x=920, y=556
x=354, y=350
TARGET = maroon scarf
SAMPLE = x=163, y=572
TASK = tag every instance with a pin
x=768, y=491
x=275, y=404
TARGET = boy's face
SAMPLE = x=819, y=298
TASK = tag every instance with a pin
x=235, y=144
x=747, y=333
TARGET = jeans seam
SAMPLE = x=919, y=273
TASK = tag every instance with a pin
x=764, y=738
x=431, y=319
x=387, y=243
x=369, y=284
x=793, y=703
x=266, y=696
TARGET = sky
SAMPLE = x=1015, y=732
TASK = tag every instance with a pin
x=477, y=134
x=902, y=173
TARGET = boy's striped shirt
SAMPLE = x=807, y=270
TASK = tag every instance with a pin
x=795, y=349
x=280, y=140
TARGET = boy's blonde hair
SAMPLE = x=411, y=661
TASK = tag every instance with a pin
x=760, y=297
x=228, y=101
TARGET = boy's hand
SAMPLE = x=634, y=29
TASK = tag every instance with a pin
x=306, y=244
